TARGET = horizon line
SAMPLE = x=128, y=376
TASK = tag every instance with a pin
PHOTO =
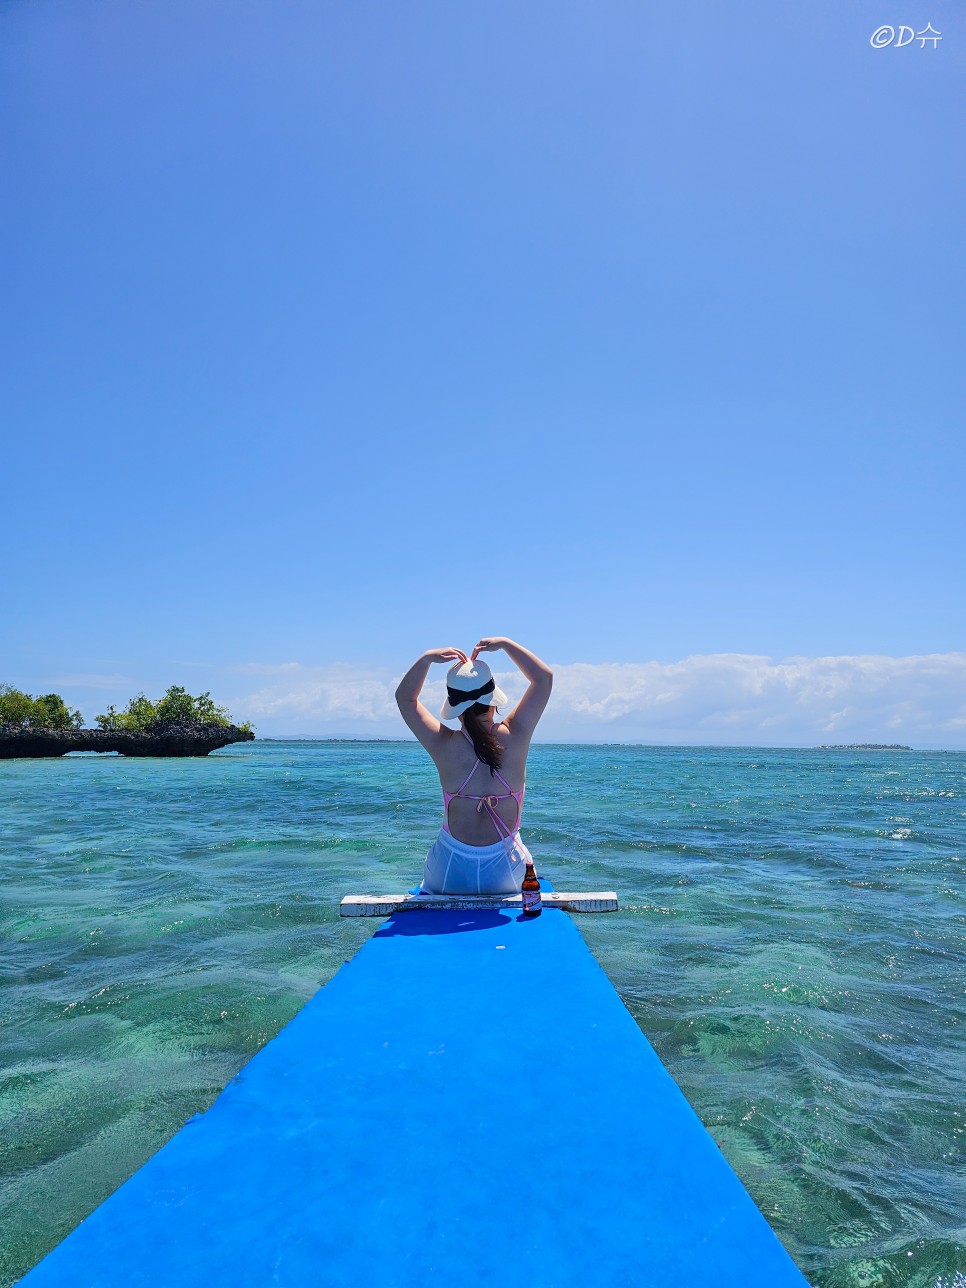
x=578, y=742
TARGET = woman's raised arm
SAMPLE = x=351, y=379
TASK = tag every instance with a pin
x=524, y=716
x=422, y=722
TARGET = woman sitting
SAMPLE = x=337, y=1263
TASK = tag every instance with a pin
x=482, y=766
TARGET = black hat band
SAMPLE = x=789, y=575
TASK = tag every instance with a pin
x=457, y=696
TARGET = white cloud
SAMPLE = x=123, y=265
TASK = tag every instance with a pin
x=707, y=698
x=718, y=696
x=322, y=696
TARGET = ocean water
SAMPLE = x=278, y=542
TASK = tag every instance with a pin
x=792, y=940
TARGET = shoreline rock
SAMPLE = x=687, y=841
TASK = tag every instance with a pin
x=176, y=740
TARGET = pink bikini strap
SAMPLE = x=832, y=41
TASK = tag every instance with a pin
x=480, y=762
x=468, y=776
x=505, y=783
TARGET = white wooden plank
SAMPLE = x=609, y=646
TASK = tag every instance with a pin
x=385, y=905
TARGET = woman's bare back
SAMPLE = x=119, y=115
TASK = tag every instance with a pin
x=456, y=759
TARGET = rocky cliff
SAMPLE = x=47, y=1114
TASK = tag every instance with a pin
x=174, y=740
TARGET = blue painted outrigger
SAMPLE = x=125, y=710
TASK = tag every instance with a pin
x=467, y=1102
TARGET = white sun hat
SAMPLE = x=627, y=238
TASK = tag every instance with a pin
x=467, y=683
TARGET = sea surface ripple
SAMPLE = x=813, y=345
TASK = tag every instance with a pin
x=792, y=940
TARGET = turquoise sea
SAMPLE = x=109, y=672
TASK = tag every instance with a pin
x=792, y=940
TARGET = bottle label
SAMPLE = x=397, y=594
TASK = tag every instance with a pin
x=531, y=901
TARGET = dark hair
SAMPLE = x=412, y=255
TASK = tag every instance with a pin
x=479, y=725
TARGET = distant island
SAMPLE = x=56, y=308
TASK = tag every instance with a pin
x=175, y=725
x=862, y=746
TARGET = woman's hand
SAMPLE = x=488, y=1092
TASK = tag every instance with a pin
x=410, y=687
x=524, y=716
x=445, y=655
x=489, y=644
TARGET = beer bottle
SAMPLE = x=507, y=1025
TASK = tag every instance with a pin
x=532, y=903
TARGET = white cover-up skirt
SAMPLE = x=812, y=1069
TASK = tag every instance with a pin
x=453, y=867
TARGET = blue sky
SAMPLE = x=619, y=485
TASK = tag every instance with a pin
x=336, y=331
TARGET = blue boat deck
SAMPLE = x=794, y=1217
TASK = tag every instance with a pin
x=468, y=1101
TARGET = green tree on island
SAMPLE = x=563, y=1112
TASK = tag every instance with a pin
x=177, y=707
x=21, y=711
